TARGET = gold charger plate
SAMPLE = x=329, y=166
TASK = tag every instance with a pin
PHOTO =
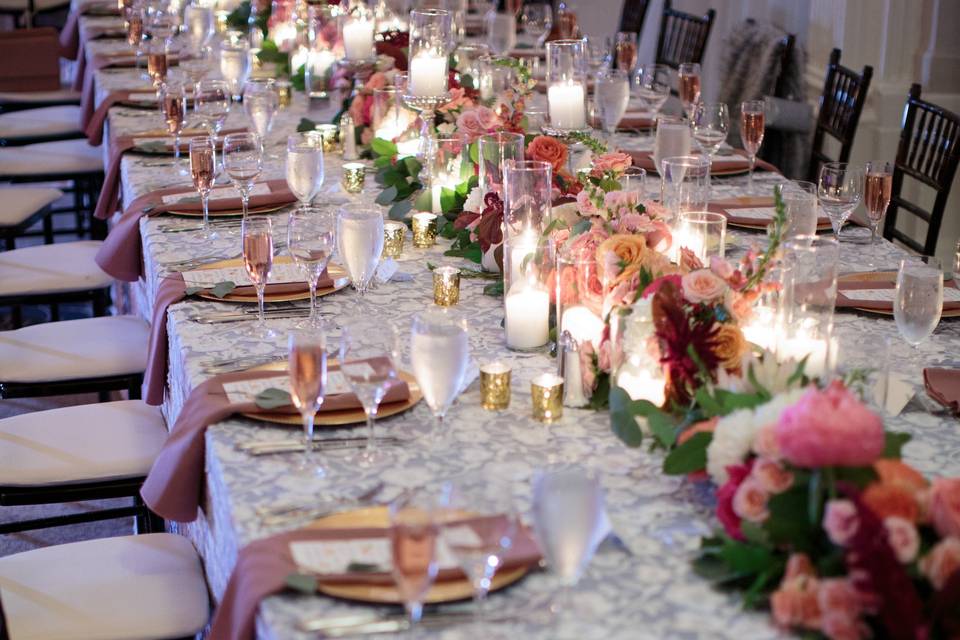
x=338, y=273
x=344, y=416
x=884, y=276
x=443, y=591
x=270, y=208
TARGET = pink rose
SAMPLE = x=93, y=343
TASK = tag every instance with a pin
x=458, y=100
x=942, y=562
x=750, y=501
x=721, y=267
x=655, y=210
x=585, y=205
x=702, y=286
x=476, y=122
x=356, y=110
x=902, y=537
x=840, y=626
x=587, y=373
x=798, y=564
x=604, y=356
x=840, y=521
x=771, y=476
x=487, y=118
x=838, y=595
x=614, y=161
x=765, y=442
x=944, y=501
x=689, y=260
x=830, y=428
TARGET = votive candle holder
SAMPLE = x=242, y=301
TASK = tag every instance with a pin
x=547, y=392
x=495, y=386
x=424, y=230
x=393, y=235
x=353, y=177
x=328, y=133
x=446, y=286
x=284, y=93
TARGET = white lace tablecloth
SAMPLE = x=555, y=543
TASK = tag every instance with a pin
x=652, y=594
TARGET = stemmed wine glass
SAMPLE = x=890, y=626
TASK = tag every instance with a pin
x=243, y=160
x=199, y=24
x=203, y=169
x=360, y=241
x=212, y=104
x=652, y=87
x=196, y=64
x=501, y=31
x=612, y=93
x=304, y=167
x=537, y=19
x=260, y=103
x=599, y=52
x=257, y=241
x=626, y=51
x=235, y=64
x=311, y=239
x=308, y=383
x=689, y=86
x=711, y=123
x=840, y=189
x=877, y=189
x=413, y=545
x=440, y=354
x=173, y=101
x=752, y=122
x=369, y=350
x=919, y=298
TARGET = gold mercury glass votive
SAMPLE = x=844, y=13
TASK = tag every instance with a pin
x=284, y=93
x=446, y=286
x=353, y=176
x=329, y=134
x=495, y=386
x=424, y=230
x=393, y=234
x=547, y=392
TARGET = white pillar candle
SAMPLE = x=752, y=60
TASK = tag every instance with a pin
x=527, y=317
x=583, y=324
x=521, y=248
x=821, y=358
x=567, y=107
x=358, y=39
x=642, y=384
x=428, y=75
x=760, y=330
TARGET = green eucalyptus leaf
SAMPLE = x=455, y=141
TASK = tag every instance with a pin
x=301, y=582
x=689, y=457
x=190, y=291
x=387, y=196
x=272, y=398
x=494, y=289
x=221, y=289
x=306, y=124
x=400, y=210
x=895, y=441
x=412, y=166
x=623, y=420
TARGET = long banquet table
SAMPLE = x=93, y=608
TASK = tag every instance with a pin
x=652, y=593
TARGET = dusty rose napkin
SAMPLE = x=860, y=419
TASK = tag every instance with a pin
x=85, y=82
x=644, y=160
x=943, y=385
x=70, y=36
x=92, y=123
x=263, y=566
x=175, y=482
x=843, y=302
x=122, y=252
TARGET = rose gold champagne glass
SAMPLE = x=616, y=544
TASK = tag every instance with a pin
x=752, y=122
x=203, y=169
x=257, y=239
x=689, y=81
x=308, y=382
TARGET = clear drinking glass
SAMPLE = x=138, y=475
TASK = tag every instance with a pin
x=711, y=123
x=173, y=101
x=527, y=194
x=203, y=169
x=612, y=93
x=752, y=122
x=599, y=50
x=260, y=103
x=369, y=351
x=537, y=20
x=257, y=242
x=308, y=383
x=626, y=51
x=688, y=80
x=413, y=544
x=495, y=149
x=686, y=183
x=305, y=172
x=651, y=86
x=802, y=208
x=840, y=189
x=360, y=241
x=235, y=65
x=702, y=232
x=919, y=298
x=877, y=190
x=672, y=139
x=311, y=240
x=501, y=31
x=634, y=179
x=243, y=160
x=212, y=104
x=440, y=353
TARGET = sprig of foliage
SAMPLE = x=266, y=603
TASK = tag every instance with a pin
x=399, y=178
x=775, y=231
x=270, y=53
x=588, y=141
x=523, y=73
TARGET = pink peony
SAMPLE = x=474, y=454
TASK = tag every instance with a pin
x=841, y=521
x=750, y=501
x=942, y=561
x=902, y=537
x=944, y=506
x=614, y=161
x=771, y=475
x=830, y=428
x=702, y=286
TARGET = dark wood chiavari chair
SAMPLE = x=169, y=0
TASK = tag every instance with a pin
x=844, y=94
x=683, y=36
x=633, y=16
x=929, y=152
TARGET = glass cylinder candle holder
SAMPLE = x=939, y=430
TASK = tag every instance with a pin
x=546, y=391
x=353, y=177
x=468, y=58
x=389, y=117
x=566, y=86
x=579, y=297
x=495, y=149
x=393, y=235
x=429, y=47
x=761, y=328
x=328, y=133
x=424, y=230
x=702, y=232
x=446, y=286
x=448, y=164
x=495, y=386
x=322, y=36
x=356, y=26
x=528, y=265
x=527, y=197
x=686, y=184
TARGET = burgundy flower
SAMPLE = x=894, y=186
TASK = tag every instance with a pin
x=736, y=474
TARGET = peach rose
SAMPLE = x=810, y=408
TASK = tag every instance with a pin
x=771, y=475
x=549, y=150
x=586, y=205
x=377, y=80
x=794, y=603
x=750, y=501
x=458, y=100
x=840, y=521
x=613, y=161
x=729, y=345
x=618, y=252
x=902, y=537
x=945, y=506
x=840, y=626
x=887, y=500
x=765, y=442
x=689, y=261
x=892, y=471
x=702, y=286
x=798, y=564
x=942, y=561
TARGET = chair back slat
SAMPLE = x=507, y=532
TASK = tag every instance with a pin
x=634, y=15
x=929, y=152
x=683, y=36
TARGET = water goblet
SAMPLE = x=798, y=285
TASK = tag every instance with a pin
x=260, y=103
x=711, y=123
x=537, y=20
x=652, y=87
x=612, y=93
x=311, y=240
x=304, y=165
x=918, y=302
x=243, y=161
x=840, y=189
x=360, y=243
x=440, y=354
x=501, y=31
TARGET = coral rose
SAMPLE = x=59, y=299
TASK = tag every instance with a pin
x=942, y=561
x=549, y=150
x=945, y=506
x=887, y=500
x=840, y=521
x=750, y=501
x=729, y=346
x=897, y=472
x=903, y=538
x=798, y=564
x=702, y=286
x=614, y=161
x=840, y=626
x=772, y=476
x=830, y=428
x=795, y=603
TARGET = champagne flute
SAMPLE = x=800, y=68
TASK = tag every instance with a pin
x=537, y=19
x=203, y=169
x=308, y=383
x=919, y=298
x=311, y=239
x=174, y=104
x=157, y=65
x=413, y=545
x=235, y=65
x=612, y=93
x=652, y=87
x=260, y=103
x=360, y=241
x=840, y=190
x=257, y=242
x=369, y=349
x=752, y=122
x=440, y=354
x=711, y=123
x=689, y=87
x=878, y=186
x=305, y=167
x=243, y=160
x=626, y=51
x=501, y=32
x=135, y=33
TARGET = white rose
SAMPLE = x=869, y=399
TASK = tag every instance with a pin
x=474, y=202
x=732, y=440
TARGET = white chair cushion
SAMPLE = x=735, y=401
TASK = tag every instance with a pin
x=74, y=349
x=63, y=156
x=126, y=588
x=52, y=268
x=84, y=443
x=63, y=94
x=40, y=122
x=19, y=203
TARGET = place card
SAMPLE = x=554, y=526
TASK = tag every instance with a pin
x=282, y=273
x=752, y=213
x=243, y=391
x=219, y=193
x=324, y=557
x=889, y=295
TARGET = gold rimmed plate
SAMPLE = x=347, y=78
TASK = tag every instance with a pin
x=228, y=213
x=341, y=417
x=336, y=272
x=888, y=277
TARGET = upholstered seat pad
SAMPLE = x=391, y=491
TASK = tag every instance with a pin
x=85, y=443
x=63, y=94
x=74, y=349
x=51, y=158
x=40, y=122
x=52, y=268
x=19, y=203
x=126, y=588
